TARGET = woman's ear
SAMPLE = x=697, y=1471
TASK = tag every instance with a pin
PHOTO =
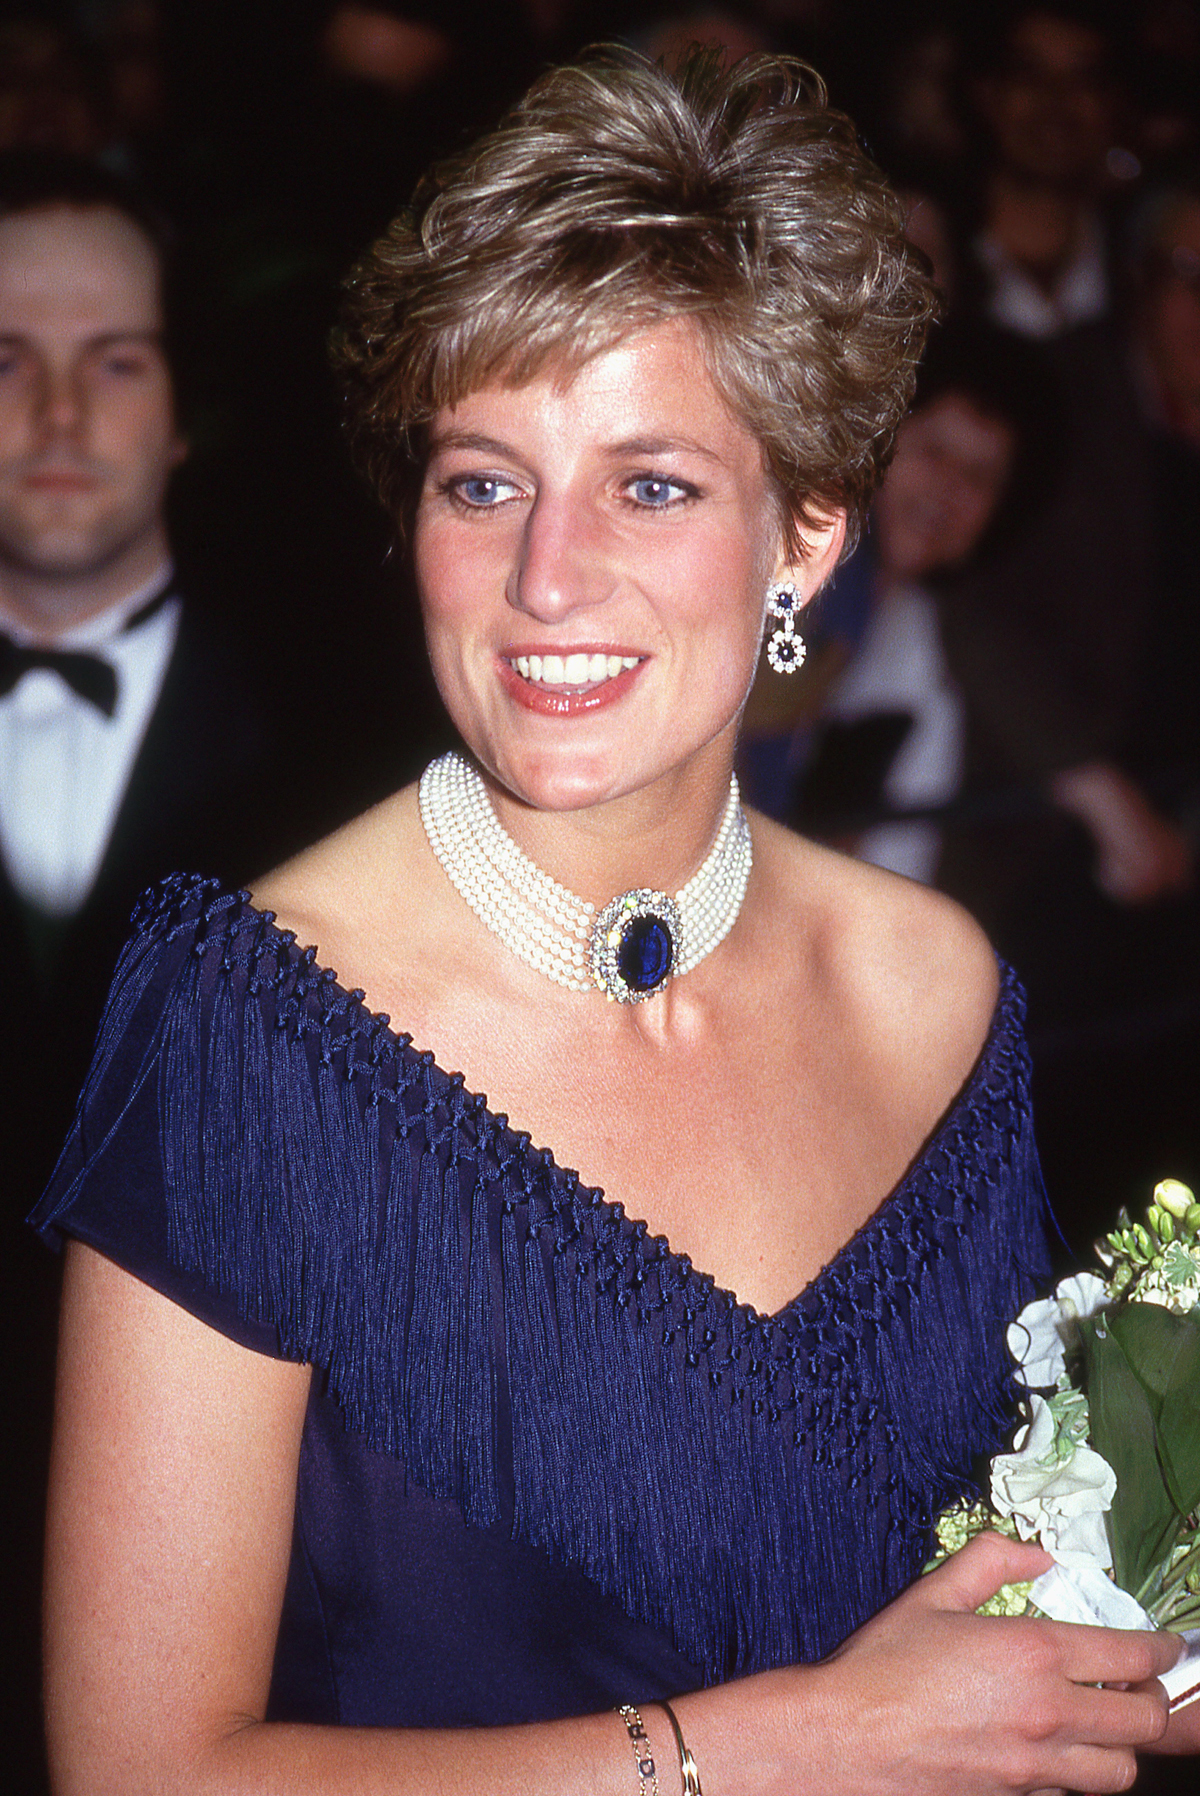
x=818, y=545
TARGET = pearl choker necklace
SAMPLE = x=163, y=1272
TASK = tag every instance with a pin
x=638, y=940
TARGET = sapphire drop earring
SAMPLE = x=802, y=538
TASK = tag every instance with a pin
x=785, y=645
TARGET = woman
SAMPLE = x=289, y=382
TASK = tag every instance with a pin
x=370, y=1414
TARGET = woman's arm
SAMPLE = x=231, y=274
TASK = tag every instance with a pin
x=929, y=1697
x=170, y=1528
x=169, y=1537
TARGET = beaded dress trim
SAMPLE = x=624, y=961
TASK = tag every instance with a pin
x=757, y=1484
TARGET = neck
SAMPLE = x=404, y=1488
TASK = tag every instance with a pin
x=627, y=943
x=654, y=839
x=1038, y=225
x=47, y=605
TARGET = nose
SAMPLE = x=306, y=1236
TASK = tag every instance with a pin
x=561, y=565
x=61, y=400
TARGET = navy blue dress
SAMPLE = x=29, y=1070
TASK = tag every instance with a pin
x=548, y=1466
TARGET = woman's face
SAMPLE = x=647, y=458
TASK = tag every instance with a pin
x=593, y=550
x=947, y=477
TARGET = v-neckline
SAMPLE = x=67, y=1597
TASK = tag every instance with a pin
x=651, y=1247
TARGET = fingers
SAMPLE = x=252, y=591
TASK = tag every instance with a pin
x=968, y=1578
x=1113, y=1655
x=1121, y=1718
x=1098, y=1770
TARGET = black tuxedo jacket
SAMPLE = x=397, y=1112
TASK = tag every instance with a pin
x=203, y=795
x=199, y=798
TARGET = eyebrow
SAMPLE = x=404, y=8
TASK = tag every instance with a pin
x=151, y=339
x=662, y=446
x=468, y=439
x=652, y=445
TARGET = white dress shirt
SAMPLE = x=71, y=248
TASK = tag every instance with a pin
x=64, y=765
x=1018, y=303
x=900, y=666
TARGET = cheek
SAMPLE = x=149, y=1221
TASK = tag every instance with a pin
x=137, y=429
x=16, y=412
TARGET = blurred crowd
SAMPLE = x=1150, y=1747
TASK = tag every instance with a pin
x=209, y=653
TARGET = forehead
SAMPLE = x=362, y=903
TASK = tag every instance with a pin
x=1057, y=45
x=73, y=270
x=654, y=384
x=955, y=425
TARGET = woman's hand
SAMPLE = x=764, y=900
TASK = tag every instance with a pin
x=930, y=1699
x=169, y=1537
x=968, y=1703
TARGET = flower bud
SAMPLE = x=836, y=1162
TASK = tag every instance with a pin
x=1191, y=1221
x=1174, y=1196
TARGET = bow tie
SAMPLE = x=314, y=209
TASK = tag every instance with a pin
x=88, y=675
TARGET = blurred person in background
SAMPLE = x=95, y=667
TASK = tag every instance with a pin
x=1079, y=641
x=50, y=95
x=1048, y=96
x=893, y=739
x=127, y=728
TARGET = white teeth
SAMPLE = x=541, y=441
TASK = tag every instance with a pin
x=572, y=670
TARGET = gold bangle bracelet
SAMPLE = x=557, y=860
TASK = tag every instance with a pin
x=641, y=1749
x=687, y=1764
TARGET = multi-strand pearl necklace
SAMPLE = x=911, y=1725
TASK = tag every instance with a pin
x=638, y=940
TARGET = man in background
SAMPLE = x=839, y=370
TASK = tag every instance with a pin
x=128, y=742
x=1049, y=99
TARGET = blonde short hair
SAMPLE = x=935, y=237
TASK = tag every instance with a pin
x=615, y=195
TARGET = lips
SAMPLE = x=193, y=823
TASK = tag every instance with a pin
x=60, y=480
x=562, y=685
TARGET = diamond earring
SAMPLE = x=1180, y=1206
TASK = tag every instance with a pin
x=785, y=645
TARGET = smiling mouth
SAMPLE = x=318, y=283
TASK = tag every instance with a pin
x=574, y=671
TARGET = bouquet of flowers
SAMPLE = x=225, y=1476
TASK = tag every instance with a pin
x=1104, y=1470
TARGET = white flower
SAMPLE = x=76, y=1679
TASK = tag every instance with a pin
x=1085, y=1594
x=1056, y=1491
x=1175, y=1285
x=1035, y=1339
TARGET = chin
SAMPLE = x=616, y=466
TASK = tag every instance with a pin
x=560, y=782
x=57, y=554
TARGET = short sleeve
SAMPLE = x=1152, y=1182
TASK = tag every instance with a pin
x=252, y=1142
x=110, y=1186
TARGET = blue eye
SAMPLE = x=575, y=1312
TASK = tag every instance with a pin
x=659, y=493
x=481, y=491
x=652, y=489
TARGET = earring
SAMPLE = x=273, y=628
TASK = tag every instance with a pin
x=785, y=645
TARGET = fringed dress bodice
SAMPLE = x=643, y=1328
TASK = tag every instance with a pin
x=548, y=1465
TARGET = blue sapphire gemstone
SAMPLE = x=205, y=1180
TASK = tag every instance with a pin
x=645, y=954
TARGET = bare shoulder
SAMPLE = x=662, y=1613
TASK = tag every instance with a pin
x=907, y=967
x=360, y=879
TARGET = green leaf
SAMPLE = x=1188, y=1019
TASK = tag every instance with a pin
x=1163, y=1351
x=1143, y=1516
